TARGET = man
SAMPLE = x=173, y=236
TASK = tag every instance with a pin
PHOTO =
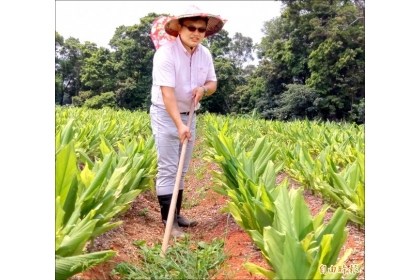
x=183, y=72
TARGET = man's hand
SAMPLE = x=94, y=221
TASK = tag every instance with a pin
x=198, y=94
x=184, y=132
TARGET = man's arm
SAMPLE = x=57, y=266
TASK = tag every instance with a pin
x=171, y=105
x=198, y=92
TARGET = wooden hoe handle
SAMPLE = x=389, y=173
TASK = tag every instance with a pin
x=170, y=221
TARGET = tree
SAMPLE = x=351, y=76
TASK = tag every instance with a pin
x=297, y=103
x=70, y=63
x=240, y=49
x=98, y=74
x=227, y=80
x=133, y=57
x=70, y=56
x=337, y=64
x=227, y=74
x=218, y=44
x=59, y=43
x=107, y=99
x=319, y=44
x=248, y=95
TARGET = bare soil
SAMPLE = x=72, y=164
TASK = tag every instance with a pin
x=143, y=222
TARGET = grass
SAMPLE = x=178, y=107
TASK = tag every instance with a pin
x=185, y=259
x=143, y=212
x=190, y=201
x=199, y=171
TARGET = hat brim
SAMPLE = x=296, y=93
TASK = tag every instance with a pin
x=214, y=24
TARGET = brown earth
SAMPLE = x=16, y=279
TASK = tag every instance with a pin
x=142, y=222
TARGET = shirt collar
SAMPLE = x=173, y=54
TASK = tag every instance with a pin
x=178, y=40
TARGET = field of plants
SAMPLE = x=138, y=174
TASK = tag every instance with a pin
x=258, y=175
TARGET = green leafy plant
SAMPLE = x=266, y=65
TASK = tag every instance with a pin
x=88, y=200
x=293, y=243
x=72, y=230
x=143, y=212
x=297, y=246
x=185, y=259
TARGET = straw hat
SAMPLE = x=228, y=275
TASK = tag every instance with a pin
x=214, y=24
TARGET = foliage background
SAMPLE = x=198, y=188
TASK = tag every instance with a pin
x=310, y=65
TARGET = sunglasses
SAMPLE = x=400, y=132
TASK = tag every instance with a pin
x=193, y=29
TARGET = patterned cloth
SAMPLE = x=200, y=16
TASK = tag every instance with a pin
x=158, y=33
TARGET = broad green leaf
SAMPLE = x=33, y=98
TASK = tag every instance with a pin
x=103, y=204
x=128, y=197
x=274, y=244
x=257, y=238
x=262, y=216
x=324, y=250
x=105, y=147
x=110, y=127
x=355, y=218
x=69, y=266
x=117, y=181
x=67, y=133
x=258, y=270
x=318, y=220
x=267, y=200
x=57, y=141
x=235, y=212
x=268, y=177
x=297, y=265
x=353, y=175
x=307, y=241
x=87, y=176
x=283, y=219
x=65, y=170
x=340, y=183
x=301, y=216
x=85, y=158
x=75, y=240
x=136, y=182
x=104, y=228
x=59, y=214
x=99, y=178
x=219, y=190
x=70, y=203
x=336, y=227
x=249, y=218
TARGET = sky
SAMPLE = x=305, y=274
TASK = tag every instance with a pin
x=96, y=21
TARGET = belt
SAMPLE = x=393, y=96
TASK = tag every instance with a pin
x=183, y=113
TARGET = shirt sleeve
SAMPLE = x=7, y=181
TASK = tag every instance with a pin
x=163, y=68
x=211, y=74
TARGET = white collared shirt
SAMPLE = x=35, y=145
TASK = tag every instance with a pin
x=174, y=67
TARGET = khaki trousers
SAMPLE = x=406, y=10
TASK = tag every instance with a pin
x=168, y=148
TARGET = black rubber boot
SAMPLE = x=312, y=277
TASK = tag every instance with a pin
x=165, y=204
x=182, y=221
